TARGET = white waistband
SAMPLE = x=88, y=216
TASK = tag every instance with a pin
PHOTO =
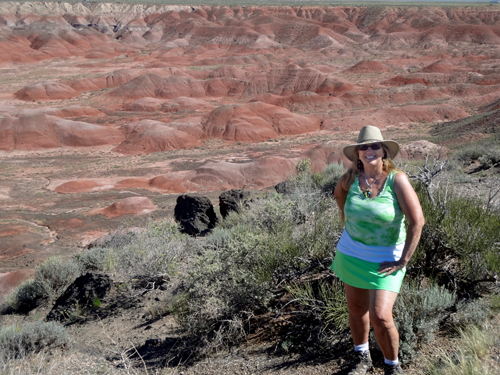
x=375, y=254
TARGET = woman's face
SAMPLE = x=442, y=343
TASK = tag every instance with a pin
x=371, y=154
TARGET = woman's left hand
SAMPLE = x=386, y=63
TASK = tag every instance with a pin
x=390, y=267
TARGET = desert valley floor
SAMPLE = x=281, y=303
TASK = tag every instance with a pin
x=109, y=111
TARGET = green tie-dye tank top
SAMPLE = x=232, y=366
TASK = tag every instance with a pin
x=378, y=221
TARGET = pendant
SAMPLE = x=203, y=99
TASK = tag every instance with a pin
x=368, y=193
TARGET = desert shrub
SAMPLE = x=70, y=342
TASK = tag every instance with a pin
x=486, y=150
x=418, y=312
x=231, y=280
x=299, y=226
x=51, y=277
x=495, y=303
x=154, y=252
x=302, y=168
x=222, y=291
x=119, y=238
x=17, y=341
x=490, y=158
x=330, y=176
x=94, y=259
x=57, y=273
x=460, y=228
x=25, y=297
x=327, y=301
x=469, y=313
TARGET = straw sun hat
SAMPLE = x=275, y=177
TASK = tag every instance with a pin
x=371, y=134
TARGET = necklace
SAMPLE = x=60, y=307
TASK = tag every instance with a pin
x=368, y=191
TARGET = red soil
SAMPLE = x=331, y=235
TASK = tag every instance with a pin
x=128, y=206
x=46, y=91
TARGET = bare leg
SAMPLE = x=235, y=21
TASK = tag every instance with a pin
x=386, y=334
x=358, y=301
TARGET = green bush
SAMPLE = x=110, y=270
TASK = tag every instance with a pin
x=457, y=228
x=51, y=278
x=490, y=158
x=94, y=259
x=231, y=280
x=157, y=251
x=486, y=150
x=302, y=225
x=17, y=341
x=327, y=301
x=330, y=176
x=24, y=298
x=222, y=290
x=418, y=312
x=469, y=313
x=57, y=273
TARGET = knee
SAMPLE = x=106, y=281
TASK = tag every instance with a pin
x=358, y=311
x=381, y=319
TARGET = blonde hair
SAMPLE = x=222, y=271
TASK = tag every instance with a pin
x=357, y=166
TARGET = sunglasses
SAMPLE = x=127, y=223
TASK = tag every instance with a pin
x=373, y=146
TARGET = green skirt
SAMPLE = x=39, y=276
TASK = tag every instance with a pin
x=364, y=275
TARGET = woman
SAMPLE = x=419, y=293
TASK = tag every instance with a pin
x=375, y=247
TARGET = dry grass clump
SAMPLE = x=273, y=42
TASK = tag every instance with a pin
x=470, y=357
x=18, y=341
x=155, y=252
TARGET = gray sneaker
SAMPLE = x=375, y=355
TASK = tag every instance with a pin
x=393, y=370
x=361, y=363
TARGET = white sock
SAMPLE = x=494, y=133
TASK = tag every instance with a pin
x=361, y=348
x=391, y=363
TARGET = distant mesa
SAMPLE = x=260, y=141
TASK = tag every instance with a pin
x=439, y=67
x=78, y=186
x=156, y=86
x=254, y=122
x=128, y=206
x=46, y=91
x=149, y=136
x=258, y=174
x=170, y=183
x=39, y=131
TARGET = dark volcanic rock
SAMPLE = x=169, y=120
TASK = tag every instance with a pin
x=233, y=200
x=80, y=296
x=285, y=187
x=195, y=215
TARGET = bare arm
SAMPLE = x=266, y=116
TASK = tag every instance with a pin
x=410, y=205
x=337, y=193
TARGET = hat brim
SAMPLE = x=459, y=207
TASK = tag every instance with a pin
x=393, y=146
